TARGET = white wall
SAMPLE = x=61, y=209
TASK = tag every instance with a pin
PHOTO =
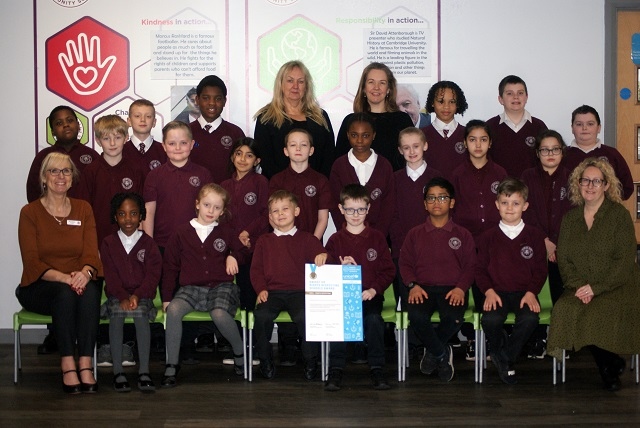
x=556, y=47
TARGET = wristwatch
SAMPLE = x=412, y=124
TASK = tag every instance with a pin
x=412, y=284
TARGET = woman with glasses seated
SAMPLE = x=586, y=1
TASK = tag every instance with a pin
x=597, y=259
x=61, y=267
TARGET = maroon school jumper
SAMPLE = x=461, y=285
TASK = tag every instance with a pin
x=445, y=154
x=213, y=150
x=369, y=249
x=312, y=190
x=175, y=191
x=381, y=189
x=409, y=210
x=438, y=256
x=248, y=205
x=101, y=182
x=575, y=155
x=548, y=199
x=511, y=265
x=153, y=156
x=193, y=262
x=476, y=193
x=278, y=261
x=514, y=150
x=81, y=155
x=136, y=273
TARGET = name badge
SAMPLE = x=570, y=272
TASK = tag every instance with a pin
x=74, y=223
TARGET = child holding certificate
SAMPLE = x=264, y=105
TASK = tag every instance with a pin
x=358, y=244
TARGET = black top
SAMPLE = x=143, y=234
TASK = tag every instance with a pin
x=271, y=145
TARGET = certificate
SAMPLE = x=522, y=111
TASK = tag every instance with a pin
x=333, y=303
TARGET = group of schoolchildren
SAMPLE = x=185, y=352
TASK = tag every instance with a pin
x=449, y=231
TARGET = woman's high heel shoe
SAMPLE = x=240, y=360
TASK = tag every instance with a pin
x=87, y=388
x=70, y=389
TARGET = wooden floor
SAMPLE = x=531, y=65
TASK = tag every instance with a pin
x=209, y=395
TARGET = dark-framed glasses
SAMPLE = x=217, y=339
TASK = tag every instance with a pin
x=597, y=182
x=548, y=152
x=441, y=199
x=56, y=171
x=352, y=211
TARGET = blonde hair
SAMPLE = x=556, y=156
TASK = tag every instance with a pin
x=614, y=193
x=274, y=112
x=360, y=103
x=51, y=159
x=110, y=123
x=220, y=191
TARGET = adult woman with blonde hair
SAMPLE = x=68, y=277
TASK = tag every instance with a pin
x=377, y=96
x=294, y=105
x=61, y=269
x=597, y=257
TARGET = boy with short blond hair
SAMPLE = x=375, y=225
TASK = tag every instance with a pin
x=310, y=187
x=171, y=189
x=141, y=149
x=110, y=174
x=511, y=271
x=277, y=275
x=358, y=244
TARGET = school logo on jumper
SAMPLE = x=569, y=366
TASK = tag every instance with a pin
x=455, y=243
x=530, y=141
x=372, y=254
x=460, y=148
x=310, y=190
x=127, y=183
x=494, y=187
x=154, y=164
x=140, y=255
x=194, y=181
x=250, y=198
x=220, y=245
x=86, y=159
x=526, y=252
x=226, y=141
x=563, y=193
x=375, y=194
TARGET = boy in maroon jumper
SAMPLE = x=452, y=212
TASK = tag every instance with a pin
x=170, y=189
x=310, y=187
x=277, y=275
x=514, y=131
x=445, y=135
x=141, y=148
x=213, y=135
x=358, y=244
x=64, y=127
x=109, y=174
x=362, y=165
x=585, y=126
x=437, y=263
x=511, y=270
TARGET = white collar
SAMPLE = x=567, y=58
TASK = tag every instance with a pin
x=214, y=125
x=147, y=142
x=289, y=232
x=440, y=125
x=577, y=146
x=128, y=242
x=512, y=232
x=202, y=230
x=506, y=119
x=414, y=174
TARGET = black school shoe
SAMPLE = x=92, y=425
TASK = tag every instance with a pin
x=334, y=380
x=379, y=380
x=170, y=381
x=310, y=369
x=145, y=384
x=267, y=369
x=121, y=386
x=506, y=371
